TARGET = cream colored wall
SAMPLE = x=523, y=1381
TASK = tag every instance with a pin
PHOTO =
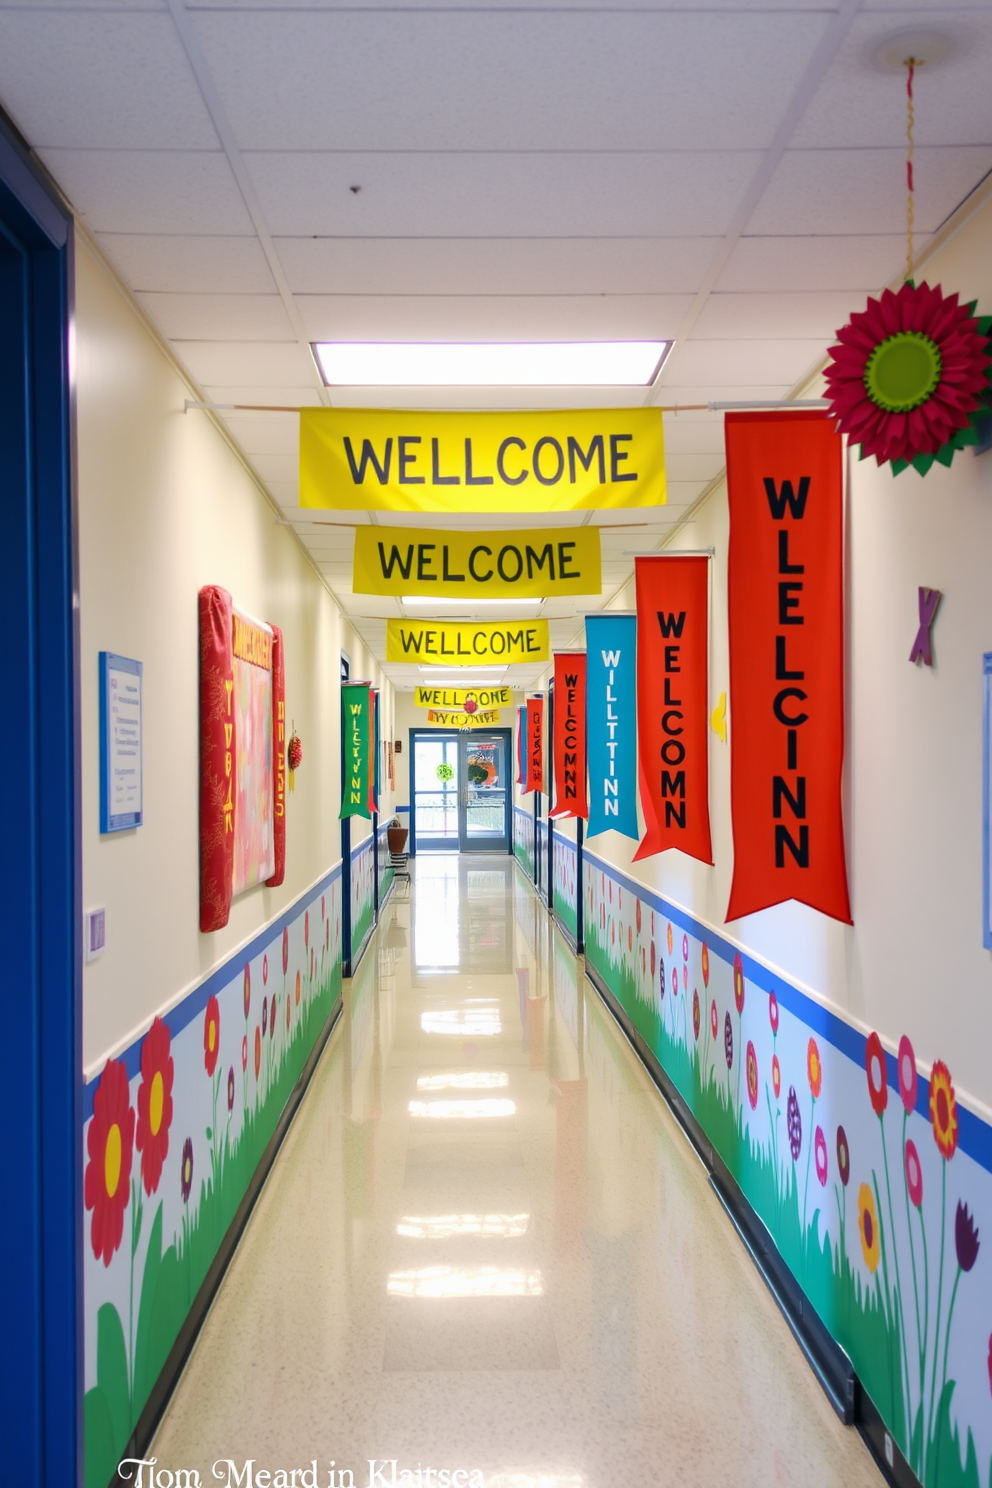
x=913, y=961
x=166, y=506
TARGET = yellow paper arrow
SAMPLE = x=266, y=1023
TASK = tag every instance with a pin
x=718, y=718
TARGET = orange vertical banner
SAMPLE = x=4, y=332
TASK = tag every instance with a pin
x=535, y=744
x=278, y=758
x=672, y=706
x=568, y=746
x=218, y=752
x=786, y=615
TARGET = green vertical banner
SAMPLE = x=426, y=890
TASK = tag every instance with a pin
x=356, y=744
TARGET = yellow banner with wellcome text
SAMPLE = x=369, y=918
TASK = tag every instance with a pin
x=535, y=563
x=465, y=643
x=415, y=461
x=447, y=698
x=488, y=718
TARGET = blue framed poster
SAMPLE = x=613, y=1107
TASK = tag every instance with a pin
x=120, y=743
x=986, y=800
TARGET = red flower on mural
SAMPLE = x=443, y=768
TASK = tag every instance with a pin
x=943, y=1110
x=244, y=1052
x=675, y=982
x=109, y=1145
x=637, y=915
x=739, y=982
x=247, y=988
x=695, y=1013
x=878, y=1085
x=714, y=1021
x=752, y=1076
x=843, y=1156
x=814, y=1069
x=154, y=1104
x=706, y=964
x=653, y=960
x=211, y=1035
x=258, y=1050
x=914, y=1174
x=297, y=989
x=265, y=970
x=908, y=1079
x=773, y=1011
x=285, y=949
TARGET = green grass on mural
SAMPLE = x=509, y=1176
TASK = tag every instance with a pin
x=172, y=1278
x=857, y=1318
x=566, y=912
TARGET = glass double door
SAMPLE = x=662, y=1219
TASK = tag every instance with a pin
x=461, y=792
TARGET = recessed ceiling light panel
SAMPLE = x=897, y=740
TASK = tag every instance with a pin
x=490, y=364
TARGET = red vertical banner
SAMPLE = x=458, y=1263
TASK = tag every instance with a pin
x=568, y=746
x=535, y=744
x=786, y=615
x=278, y=758
x=672, y=704
x=218, y=751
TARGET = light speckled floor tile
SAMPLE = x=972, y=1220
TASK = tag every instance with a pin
x=544, y=1289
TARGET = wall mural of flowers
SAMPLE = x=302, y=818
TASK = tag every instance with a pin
x=563, y=880
x=907, y=1292
x=174, y=1139
x=523, y=839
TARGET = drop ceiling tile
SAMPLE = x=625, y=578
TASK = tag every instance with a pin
x=181, y=263
x=492, y=266
x=150, y=191
x=465, y=194
x=856, y=264
x=496, y=318
x=219, y=317
x=503, y=79
x=264, y=394
x=245, y=363
x=733, y=387
x=860, y=101
x=100, y=81
x=809, y=316
x=695, y=467
x=864, y=191
x=282, y=470
x=265, y=433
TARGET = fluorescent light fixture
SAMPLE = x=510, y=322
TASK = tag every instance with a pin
x=490, y=364
x=463, y=1110
x=465, y=604
x=465, y=1080
x=477, y=1281
x=446, y=1226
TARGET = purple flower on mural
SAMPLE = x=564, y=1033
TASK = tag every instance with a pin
x=661, y=976
x=728, y=1041
x=843, y=1156
x=685, y=948
x=186, y=1171
x=695, y=1013
x=773, y=1011
x=820, y=1155
x=265, y=1014
x=675, y=982
x=230, y=1089
x=965, y=1238
x=795, y=1124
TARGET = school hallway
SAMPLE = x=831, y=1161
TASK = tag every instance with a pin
x=486, y=1245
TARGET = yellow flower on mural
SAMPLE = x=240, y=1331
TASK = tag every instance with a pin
x=868, y=1225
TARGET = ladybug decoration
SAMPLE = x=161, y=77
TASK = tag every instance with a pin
x=294, y=756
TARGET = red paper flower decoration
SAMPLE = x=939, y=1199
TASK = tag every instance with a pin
x=910, y=375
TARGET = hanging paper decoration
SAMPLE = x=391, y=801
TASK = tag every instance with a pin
x=294, y=756
x=785, y=611
x=611, y=649
x=569, y=742
x=242, y=718
x=672, y=689
x=356, y=736
x=927, y=602
x=910, y=376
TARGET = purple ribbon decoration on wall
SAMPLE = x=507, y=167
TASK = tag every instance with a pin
x=922, y=650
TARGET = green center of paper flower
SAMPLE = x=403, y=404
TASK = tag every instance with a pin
x=903, y=371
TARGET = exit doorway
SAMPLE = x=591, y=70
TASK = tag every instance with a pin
x=459, y=790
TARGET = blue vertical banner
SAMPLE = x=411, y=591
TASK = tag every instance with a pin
x=611, y=713
x=522, y=747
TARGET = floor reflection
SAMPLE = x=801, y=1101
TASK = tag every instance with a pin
x=486, y=1246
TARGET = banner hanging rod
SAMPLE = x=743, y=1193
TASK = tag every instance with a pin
x=721, y=407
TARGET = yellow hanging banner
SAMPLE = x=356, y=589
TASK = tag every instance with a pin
x=486, y=718
x=466, y=643
x=539, y=563
x=457, y=697
x=383, y=459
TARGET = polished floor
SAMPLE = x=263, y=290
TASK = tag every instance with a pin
x=486, y=1248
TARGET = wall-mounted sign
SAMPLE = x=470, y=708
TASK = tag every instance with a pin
x=387, y=459
x=120, y=743
x=611, y=713
x=540, y=562
x=469, y=699
x=672, y=726
x=466, y=643
x=786, y=619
